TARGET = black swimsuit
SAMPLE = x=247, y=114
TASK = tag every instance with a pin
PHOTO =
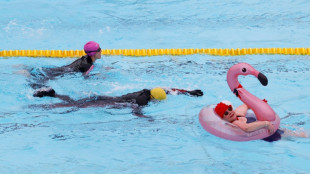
x=80, y=65
x=40, y=77
x=141, y=97
x=274, y=137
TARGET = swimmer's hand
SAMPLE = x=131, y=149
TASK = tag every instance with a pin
x=196, y=92
x=270, y=127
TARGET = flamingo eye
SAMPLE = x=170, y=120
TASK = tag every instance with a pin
x=243, y=69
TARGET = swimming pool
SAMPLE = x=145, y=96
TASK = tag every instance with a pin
x=107, y=140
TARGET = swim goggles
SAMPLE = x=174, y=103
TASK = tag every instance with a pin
x=98, y=50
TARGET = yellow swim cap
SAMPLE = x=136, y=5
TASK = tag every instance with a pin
x=158, y=94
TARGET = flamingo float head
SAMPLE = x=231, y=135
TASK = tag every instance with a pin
x=243, y=69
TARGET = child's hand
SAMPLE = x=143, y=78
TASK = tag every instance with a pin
x=269, y=127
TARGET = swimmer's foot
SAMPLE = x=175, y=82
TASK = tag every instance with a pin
x=46, y=91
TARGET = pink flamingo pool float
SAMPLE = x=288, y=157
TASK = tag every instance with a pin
x=212, y=123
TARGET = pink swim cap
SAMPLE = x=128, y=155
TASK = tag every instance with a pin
x=91, y=48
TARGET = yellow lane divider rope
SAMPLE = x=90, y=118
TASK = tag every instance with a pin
x=157, y=52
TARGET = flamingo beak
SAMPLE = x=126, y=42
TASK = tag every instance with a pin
x=263, y=79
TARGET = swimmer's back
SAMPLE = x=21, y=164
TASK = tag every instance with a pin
x=80, y=65
x=141, y=97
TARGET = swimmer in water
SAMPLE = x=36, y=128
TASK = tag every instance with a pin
x=237, y=117
x=135, y=100
x=84, y=65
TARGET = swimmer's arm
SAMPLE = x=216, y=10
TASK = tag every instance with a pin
x=175, y=91
x=250, y=127
x=136, y=110
x=64, y=98
x=242, y=110
x=86, y=70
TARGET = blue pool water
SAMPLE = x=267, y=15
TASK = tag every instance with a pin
x=107, y=140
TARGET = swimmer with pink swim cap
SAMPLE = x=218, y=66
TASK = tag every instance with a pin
x=84, y=65
x=93, y=50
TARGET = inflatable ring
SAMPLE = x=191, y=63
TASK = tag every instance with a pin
x=212, y=123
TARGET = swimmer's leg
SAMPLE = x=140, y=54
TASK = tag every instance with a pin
x=64, y=98
x=37, y=78
x=51, y=106
x=50, y=92
x=69, y=111
x=297, y=133
x=23, y=72
x=286, y=133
